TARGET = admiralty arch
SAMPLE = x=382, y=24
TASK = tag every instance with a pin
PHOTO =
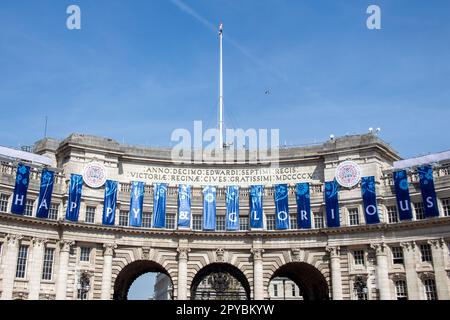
x=389, y=259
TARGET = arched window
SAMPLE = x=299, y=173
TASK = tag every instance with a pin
x=430, y=289
x=401, y=290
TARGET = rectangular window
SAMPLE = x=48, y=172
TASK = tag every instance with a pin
x=270, y=222
x=397, y=255
x=418, y=208
x=318, y=220
x=22, y=262
x=170, y=221
x=430, y=289
x=353, y=216
x=392, y=214
x=47, y=270
x=293, y=222
x=197, y=222
x=293, y=290
x=220, y=223
x=29, y=208
x=275, y=290
x=90, y=214
x=425, y=253
x=123, y=218
x=4, y=203
x=85, y=253
x=358, y=257
x=400, y=290
x=146, y=220
x=243, y=223
x=53, y=211
x=446, y=207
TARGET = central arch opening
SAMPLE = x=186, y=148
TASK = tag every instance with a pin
x=150, y=281
x=220, y=281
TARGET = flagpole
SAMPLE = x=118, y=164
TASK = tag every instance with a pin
x=220, y=92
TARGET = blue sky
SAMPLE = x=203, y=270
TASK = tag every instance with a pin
x=139, y=69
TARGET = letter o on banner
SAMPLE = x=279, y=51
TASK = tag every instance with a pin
x=371, y=210
x=282, y=213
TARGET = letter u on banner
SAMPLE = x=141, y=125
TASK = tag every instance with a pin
x=402, y=195
x=73, y=203
x=281, y=206
x=45, y=193
x=209, y=208
x=428, y=192
x=20, y=189
x=332, y=203
x=369, y=200
x=232, y=202
x=303, y=206
x=136, y=203
x=184, y=206
x=256, y=207
x=159, y=205
x=109, y=205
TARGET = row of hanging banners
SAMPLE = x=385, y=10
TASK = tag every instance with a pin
x=232, y=201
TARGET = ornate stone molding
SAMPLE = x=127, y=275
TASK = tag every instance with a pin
x=38, y=242
x=21, y=295
x=220, y=255
x=65, y=245
x=257, y=253
x=46, y=296
x=426, y=275
x=296, y=254
x=437, y=243
x=183, y=253
x=13, y=239
x=397, y=276
x=380, y=248
x=108, y=249
x=408, y=246
x=147, y=253
x=334, y=251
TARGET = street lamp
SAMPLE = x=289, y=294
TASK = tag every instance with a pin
x=83, y=285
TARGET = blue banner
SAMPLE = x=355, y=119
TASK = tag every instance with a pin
x=136, y=203
x=109, y=205
x=209, y=208
x=184, y=206
x=256, y=207
x=281, y=206
x=232, y=203
x=428, y=192
x=20, y=190
x=45, y=193
x=159, y=205
x=73, y=203
x=303, y=206
x=332, y=203
x=402, y=195
x=369, y=200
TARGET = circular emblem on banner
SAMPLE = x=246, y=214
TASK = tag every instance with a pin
x=348, y=174
x=94, y=174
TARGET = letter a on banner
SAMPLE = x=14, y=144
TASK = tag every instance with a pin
x=209, y=208
x=232, y=202
x=369, y=200
x=303, y=206
x=159, y=205
x=136, y=203
x=428, y=192
x=45, y=193
x=332, y=203
x=73, y=203
x=109, y=205
x=20, y=189
x=402, y=195
x=256, y=207
x=281, y=206
x=184, y=206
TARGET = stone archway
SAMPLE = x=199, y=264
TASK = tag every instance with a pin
x=220, y=281
x=309, y=279
x=131, y=272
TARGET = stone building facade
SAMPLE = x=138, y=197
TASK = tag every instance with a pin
x=58, y=259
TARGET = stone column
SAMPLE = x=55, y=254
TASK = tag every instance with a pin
x=108, y=253
x=412, y=281
x=382, y=271
x=61, y=283
x=336, y=280
x=440, y=274
x=258, y=276
x=182, y=273
x=9, y=269
x=36, y=264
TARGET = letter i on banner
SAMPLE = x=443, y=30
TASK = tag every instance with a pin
x=209, y=208
x=45, y=193
x=428, y=192
x=136, y=203
x=109, y=206
x=20, y=189
x=232, y=202
x=303, y=206
x=256, y=207
x=369, y=200
x=184, y=206
x=332, y=203
x=159, y=205
x=402, y=195
x=281, y=206
x=73, y=203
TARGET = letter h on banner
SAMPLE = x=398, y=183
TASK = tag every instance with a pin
x=20, y=189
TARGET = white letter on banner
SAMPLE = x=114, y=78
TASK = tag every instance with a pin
x=284, y=213
x=108, y=211
x=43, y=204
x=373, y=208
x=303, y=215
x=19, y=200
x=73, y=205
x=332, y=214
x=184, y=215
x=255, y=215
x=406, y=208
x=232, y=216
x=136, y=212
x=430, y=203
